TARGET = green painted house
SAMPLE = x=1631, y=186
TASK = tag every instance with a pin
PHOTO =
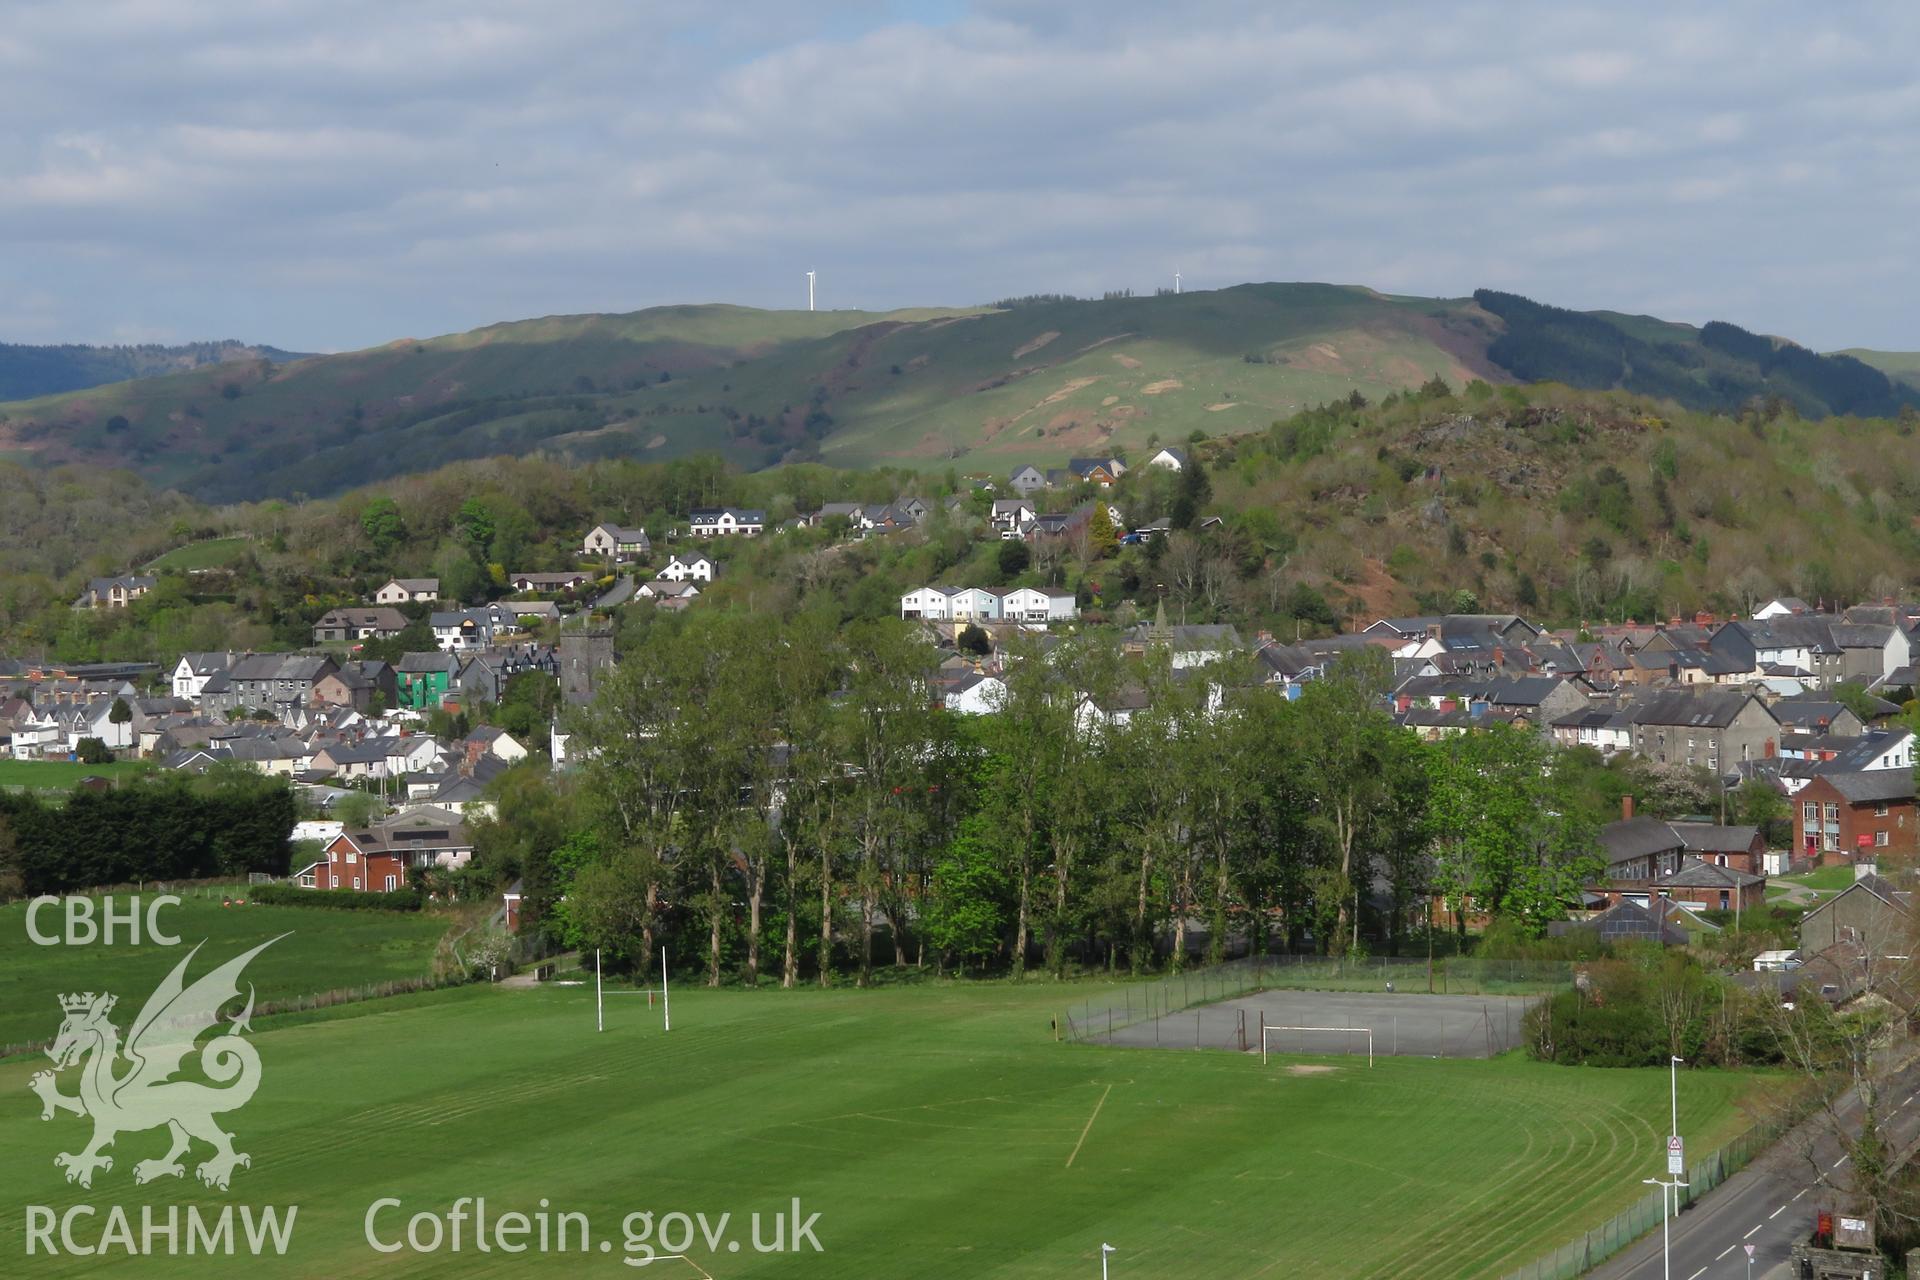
x=424, y=678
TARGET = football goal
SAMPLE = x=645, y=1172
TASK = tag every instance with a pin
x=1267, y=1033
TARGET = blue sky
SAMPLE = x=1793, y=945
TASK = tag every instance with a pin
x=331, y=175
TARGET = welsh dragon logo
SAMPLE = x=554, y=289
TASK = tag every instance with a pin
x=145, y=1095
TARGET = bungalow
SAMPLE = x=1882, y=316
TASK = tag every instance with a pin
x=722, y=522
x=1715, y=888
x=695, y=568
x=1843, y=817
x=974, y=695
x=408, y=591
x=667, y=592
x=549, y=583
x=1169, y=459
x=612, y=542
x=337, y=626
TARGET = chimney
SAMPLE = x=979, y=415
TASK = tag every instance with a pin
x=1626, y=808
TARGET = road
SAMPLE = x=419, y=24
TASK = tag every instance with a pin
x=1770, y=1204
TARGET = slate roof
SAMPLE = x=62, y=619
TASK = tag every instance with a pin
x=1638, y=838
x=1707, y=709
x=1873, y=785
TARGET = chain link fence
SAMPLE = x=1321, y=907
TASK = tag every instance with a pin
x=1594, y=1247
x=1141, y=1002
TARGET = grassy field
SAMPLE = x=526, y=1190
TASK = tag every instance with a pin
x=1825, y=880
x=60, y=775
x=215, y=553
x=938, y=1132
x=326, y=949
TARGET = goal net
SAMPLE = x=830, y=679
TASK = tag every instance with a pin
x=1299, y=1038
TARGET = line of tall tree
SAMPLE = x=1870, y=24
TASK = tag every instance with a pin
x=230, y=822
x=788, y=797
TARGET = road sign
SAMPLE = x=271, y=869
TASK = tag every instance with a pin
x=1676, y=1155
x=1749, y=1249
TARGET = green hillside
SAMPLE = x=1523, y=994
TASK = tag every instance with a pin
x=27, y=371
x=1902, y=366
x=984, y=388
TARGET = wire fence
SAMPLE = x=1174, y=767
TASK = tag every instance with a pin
x=1141, y=1002
x=1577, y=1257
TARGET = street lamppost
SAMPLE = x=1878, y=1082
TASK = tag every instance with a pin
x=1105, y=1249
x=1673, y=1086
x=1666, y=1239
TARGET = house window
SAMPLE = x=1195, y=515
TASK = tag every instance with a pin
x=1833, y=813
x=352, y=858
x=393, y=882
x=1880, y=811
x=1879, y=839
x=1810, y=813
x=356, y=882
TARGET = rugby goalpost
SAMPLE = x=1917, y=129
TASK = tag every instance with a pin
x=600, y=994
x=1266, y=1028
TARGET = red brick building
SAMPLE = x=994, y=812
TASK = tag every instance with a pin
x=377, y=859
x=1839, y=817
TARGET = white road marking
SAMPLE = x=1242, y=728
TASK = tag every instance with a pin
x=1837, y=1163
x=1776, y=1213
x=1756, y=1227
x=1696, y=1275
x=1723, y=1253
x=1796, y=1195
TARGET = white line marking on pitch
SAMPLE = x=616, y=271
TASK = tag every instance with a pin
x=1776, y=1213
x=1723, y=1253
x=1756, y=1227
x=1089, y=1129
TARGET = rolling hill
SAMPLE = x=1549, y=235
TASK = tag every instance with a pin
x=27, y=371
x=981, y=389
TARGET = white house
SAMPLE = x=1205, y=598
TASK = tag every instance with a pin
x=691, y=569
x=408, y=591
x=191, y=673
x=1780, y=607
x=657, y=590
x=933, y=604
x=1169, y=459
x=473, y=628
x=612, y=542
x=1032, y=605
x=974, y=604
x=723, y=522
x=977, y=695
x=415, y=753
x=1009, y=514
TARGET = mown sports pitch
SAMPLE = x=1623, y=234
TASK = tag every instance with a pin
x=937, y=1131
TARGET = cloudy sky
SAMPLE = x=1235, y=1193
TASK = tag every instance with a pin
x=326, y=175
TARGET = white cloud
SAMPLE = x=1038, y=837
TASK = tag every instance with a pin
x=369, y=169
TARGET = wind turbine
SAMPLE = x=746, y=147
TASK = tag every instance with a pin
x=810, y=275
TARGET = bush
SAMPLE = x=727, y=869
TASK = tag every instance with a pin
x=93, y=751
x=287, y=895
